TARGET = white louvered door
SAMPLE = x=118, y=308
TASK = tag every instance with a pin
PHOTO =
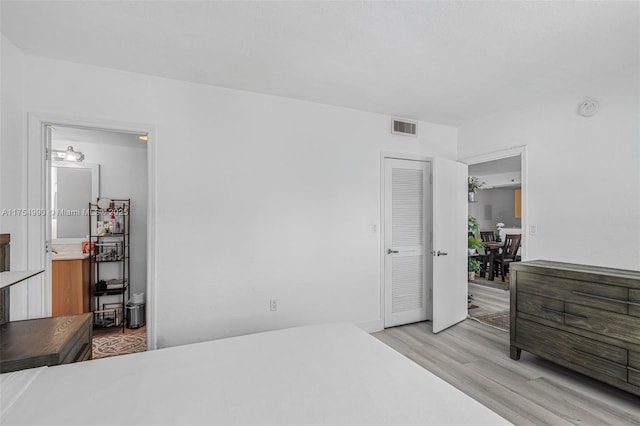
x=407, y=221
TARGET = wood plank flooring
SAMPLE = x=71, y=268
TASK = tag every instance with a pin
x=488, y=299
x=474, y=358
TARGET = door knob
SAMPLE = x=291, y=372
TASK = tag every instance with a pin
x=442, y=253
x=389, y=251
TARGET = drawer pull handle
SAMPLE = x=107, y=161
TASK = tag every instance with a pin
x=599, y=358
x=555, y=311
x=608, y=299
x=635, y=370
x=566, y=314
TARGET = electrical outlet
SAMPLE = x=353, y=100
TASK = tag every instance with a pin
x=274, y=304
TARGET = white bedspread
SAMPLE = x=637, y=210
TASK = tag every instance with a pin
x=330, y=374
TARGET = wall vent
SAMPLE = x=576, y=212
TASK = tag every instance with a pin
x=401, y=126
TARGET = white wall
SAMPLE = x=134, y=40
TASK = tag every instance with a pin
x=123, y=174
x=583, y=173
x=13, y=167
x=258, y=197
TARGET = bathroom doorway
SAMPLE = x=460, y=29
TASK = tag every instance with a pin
x=101, y=143
x=87, y=165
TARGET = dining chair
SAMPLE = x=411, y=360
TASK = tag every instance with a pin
x=487, y=236
x=508, y=254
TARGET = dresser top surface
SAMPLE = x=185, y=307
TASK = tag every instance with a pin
x=575, y=268
x=40, y=337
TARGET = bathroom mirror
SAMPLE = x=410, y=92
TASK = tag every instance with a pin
x=73, y=187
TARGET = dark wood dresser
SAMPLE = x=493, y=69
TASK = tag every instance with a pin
x=585, y=318
x=45, y=341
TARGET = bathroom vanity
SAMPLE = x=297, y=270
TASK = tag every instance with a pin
x=71, y=281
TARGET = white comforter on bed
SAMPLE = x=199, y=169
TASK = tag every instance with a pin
x=331, y=374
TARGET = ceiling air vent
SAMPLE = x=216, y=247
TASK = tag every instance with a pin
x=400, y=126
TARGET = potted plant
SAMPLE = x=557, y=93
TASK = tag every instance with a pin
x=474, y=266
x=473, y=244
x=474, y=186
x=473, y=226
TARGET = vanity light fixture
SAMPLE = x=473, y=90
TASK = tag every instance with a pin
x=68, y=155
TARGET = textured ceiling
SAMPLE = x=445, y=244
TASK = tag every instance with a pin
x=441, y=61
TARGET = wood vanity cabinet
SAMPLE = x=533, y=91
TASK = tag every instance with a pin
x=585, y=318
x=71, y=287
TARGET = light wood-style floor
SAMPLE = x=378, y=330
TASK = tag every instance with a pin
x=488, y=299
x=474, y=358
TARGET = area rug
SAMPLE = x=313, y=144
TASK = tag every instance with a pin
x=119, y=344
x=499, y=320
x=497, y=283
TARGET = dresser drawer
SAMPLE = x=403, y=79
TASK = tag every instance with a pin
x=603, y=361
x=602, y=296
x=79, y=348
x=610, y=324
x=542, y=307
x=634, y=368
x=634, y=298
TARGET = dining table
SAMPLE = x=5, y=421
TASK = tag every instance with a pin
x=492, y=248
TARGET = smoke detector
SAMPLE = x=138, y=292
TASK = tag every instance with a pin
x=588, y=107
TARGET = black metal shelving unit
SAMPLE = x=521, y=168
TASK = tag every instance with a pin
x=109, y=239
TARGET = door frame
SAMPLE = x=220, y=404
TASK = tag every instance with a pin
x=37, y=180
x=428, y=225
x=524, y=184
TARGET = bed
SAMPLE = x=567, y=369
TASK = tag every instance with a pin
x=326, y=374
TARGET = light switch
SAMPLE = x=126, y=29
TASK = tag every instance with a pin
x=533, y=229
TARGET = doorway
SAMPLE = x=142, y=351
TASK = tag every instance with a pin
x=424, y=215
x=102, y=165
x=114, y=183
x=499, y=208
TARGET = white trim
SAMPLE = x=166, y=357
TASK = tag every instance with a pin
x=495, y=155
x=507, y=153
x=35, y=196
x=38, y=292
x=403, y=156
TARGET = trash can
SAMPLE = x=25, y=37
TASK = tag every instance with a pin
x=135, y=315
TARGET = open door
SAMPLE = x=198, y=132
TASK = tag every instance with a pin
x=450, y=209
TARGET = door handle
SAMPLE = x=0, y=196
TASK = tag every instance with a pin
x=442, y=253
x=389, y=251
